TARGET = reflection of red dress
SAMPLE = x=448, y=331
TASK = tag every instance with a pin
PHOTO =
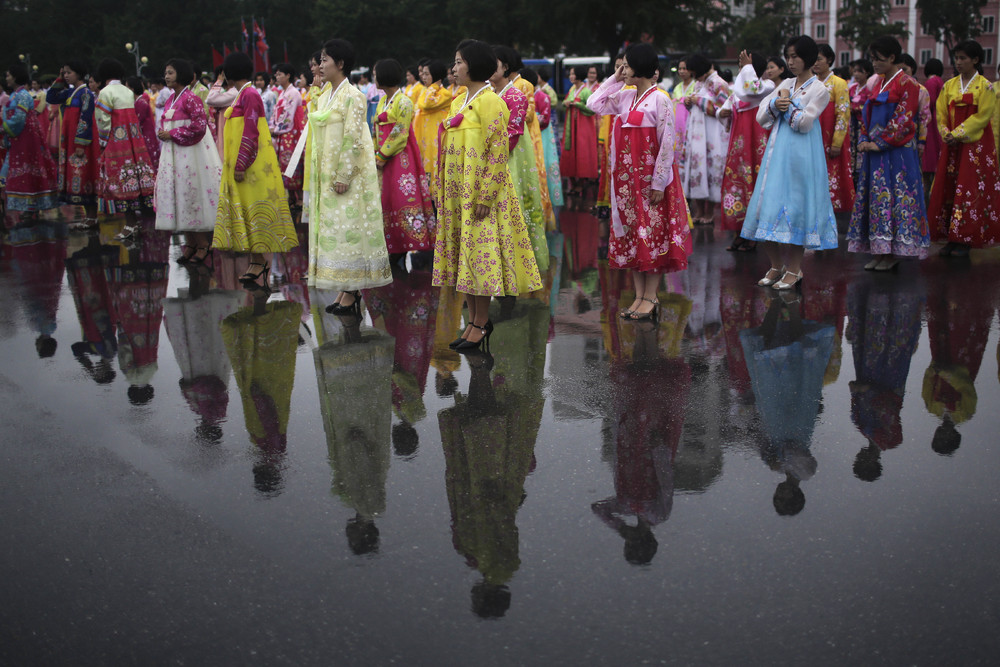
x=582, y=235
x=137, y=293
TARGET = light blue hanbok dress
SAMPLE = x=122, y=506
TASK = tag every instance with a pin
x=791, y=200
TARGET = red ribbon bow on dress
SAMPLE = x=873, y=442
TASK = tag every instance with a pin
x=455, y=120
x=383, y=117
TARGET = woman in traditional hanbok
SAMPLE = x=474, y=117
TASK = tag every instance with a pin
x=220, y=96
x=532, y=127
x=147, y=119
x=127, y=175
x=858, y=91
x=923, y=119
x=747, y=141
x=650, y=234
x=578, y=162
x=964, y=209
x=482, y=247
x=407, y=209
x=253, y=215
x=889, y=219
x=543, y=109
x=706, y=141
x=521, y=162
x=79, y=149
x=414, y=87
x=286, y=126
x=187, y=183
x=347, y=250
x=682, y=89
x=790, y=209
x=835, y=122
x=431, y=108
x=933, y=70
x=28, y=169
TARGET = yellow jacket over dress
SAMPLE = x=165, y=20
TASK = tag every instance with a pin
x=253, y=214
x=492, y=256
x=346, y=240
x=432, y=108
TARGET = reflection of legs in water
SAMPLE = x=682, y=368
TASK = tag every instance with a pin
x=946, y=438
x=362, y=535
x=868, y=463
x=640, y=543
x=788, y=497
x=490, y=600
x=482, y=398
x=352, y=327
x=445, y=384
x=775, y=336
x=645, y=349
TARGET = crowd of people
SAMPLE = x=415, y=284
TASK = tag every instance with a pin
x=465, y=160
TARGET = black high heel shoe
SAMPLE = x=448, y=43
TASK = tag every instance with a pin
x=341, y=309
x=249, y=279
x=198, y=258
x=186, y=256
x=468, y=345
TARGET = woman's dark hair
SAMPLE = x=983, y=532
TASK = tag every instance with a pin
x=530, y=75
x=342, y=51
x=134, y=83
x=864, y=64
x=697, y=64
x=907, y=59
x=20, y=73
x=82, y=70
x=264, y=75
x=480, y=58
x=759, y=64
x=316, y=57
x=972, y=49
x=805, y=48
x=933, y=67
x=184, y=70
x=782, y=65
x=414, y=71
x=886, y=46
x=581, y=72
x=108, y=70
x=643, y=60
x=237, y=66
x=285, y=68
x=437, y=69
x=826, y=51
x=389, y=73
x=545, y=72
x=508, y=57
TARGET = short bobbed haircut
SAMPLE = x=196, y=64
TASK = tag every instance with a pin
x=286, y=68
x=134, y=84
x=340, y=51
x=80, y=68
x=972, y=49
x=643, y=60
x=110, y=69
x=480, y=58
x=934, y=67
x=509, y=56
x=437, y=69
x=580, y=71
x=908, y=60
x=886, y=46
x=237, y=67
x=697, y=64
x=20, y=73
x=865, y=65
x=780, y=63
x=827, y=52
x=805, y=48
x=184, y=70
x=389, y=73
x=759, y=64
x=263, y=75
x=530, y=75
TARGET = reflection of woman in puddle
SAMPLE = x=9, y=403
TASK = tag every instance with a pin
x=261, y=342
x=787, y=358
x=650, y=396
x=89, y=286
x=38, y=257
x=884, y=329
x=354, y=371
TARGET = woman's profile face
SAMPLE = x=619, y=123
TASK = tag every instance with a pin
x=461, y=71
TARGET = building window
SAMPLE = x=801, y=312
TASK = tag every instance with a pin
x=925, y=55
x=845, y=58
x=900, y=3
x=820, y=31
x=989, y=57
x=989, y=25
x=820, y=5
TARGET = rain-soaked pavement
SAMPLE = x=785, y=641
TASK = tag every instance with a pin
x=189, y=477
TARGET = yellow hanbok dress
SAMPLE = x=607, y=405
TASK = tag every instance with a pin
x=253, y=214
x=432, y=108
x=534, y=130
x=492, y=256
x=346, y=240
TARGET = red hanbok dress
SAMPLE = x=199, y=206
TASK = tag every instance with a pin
x=407, y=211
x=644, y=237
x=127, y=177
x=835, y=122
x=147, y=123
x=965, y=197
x=579, y=156
x=286, y=127
x=28, y=169
x=747, y=141
x=78, y=176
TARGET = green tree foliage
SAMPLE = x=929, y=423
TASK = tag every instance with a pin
x=953, y=21
x=767, y=29
x=861, y=21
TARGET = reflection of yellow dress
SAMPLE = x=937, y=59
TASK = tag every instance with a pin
x=261, y=349
x=253, y=215
x=356, y=401
x=432, y=108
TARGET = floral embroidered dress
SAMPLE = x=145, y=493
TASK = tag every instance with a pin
x=532, y=127
x=835, y=122
x=347, y=248
x=28, y=169
x=706, y=142
x=644, y=237
x=187, y=183
x=964, y=204
x=681, y=114
x=432, y=108
x=889, y=215
x=747, y=141
x=127, y=177
x=286, y=127
x=407, y=209
x=543, y=107
x=579, y=156
x=524, y=174
x=492, y=256
x=253, y=214
x=147, y=123
x=932, y=149
x=791, y=200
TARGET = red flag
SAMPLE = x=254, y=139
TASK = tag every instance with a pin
x=217, y=57
x=286, y=53
x=246, y=36
x=261, y=58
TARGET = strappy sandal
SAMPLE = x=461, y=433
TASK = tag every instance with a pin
x=651, y=315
